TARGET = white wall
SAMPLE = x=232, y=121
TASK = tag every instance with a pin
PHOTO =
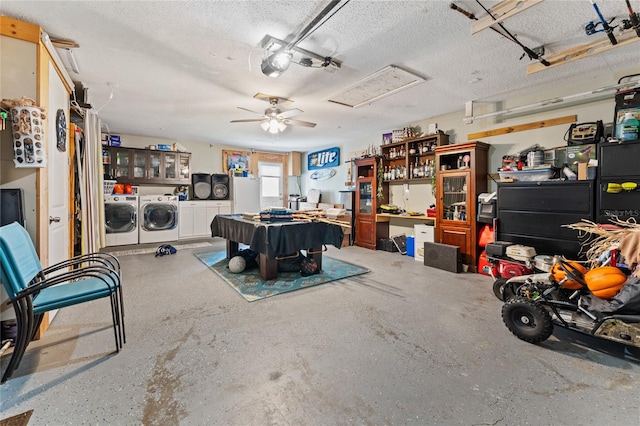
x=18, y=79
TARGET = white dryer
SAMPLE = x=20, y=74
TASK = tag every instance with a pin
x=158, y=218
x=121, y=219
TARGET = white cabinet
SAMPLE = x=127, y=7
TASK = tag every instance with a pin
x=423, y=234
x=200, y=225
x=195, y=217
x=186, y=218
x=215, y=208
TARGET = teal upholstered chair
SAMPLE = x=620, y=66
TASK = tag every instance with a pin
x=34, y=290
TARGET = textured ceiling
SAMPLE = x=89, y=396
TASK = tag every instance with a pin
x=179, y=69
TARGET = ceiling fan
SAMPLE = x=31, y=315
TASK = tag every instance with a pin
x=274, y=119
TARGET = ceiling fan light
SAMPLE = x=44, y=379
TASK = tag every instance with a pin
x=282, y=126
x=265, y=125
x=276, y=64
x=274, y=125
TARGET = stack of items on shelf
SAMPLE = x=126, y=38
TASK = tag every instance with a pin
x=276, y=214
x=527, y=165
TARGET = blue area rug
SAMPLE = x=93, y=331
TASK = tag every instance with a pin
x=252, y=287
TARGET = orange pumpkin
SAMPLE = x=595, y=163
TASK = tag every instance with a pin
x=605, y=282
x=118, y=188
x=559, y=274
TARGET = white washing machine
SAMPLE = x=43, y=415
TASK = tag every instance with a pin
x=158, y=218
x=121, y=219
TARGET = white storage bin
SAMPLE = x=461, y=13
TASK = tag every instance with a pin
x=532, y=175
x=423, y=234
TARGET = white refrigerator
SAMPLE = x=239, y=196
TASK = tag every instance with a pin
x=245, y=194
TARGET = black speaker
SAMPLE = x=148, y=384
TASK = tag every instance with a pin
x=11, y=207
x=442, y=256
x=220, y=187
x=201, y=183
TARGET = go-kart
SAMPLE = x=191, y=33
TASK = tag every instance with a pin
x=535, y=303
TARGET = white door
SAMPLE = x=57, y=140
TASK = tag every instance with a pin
x=271, y=185
x=57, y=174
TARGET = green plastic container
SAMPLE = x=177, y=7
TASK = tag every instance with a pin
x=627, y=127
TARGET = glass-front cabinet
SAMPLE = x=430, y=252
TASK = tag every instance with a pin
x=184, y=167
x=461, y=175
x=369, y=196
x=140, y=166
x=154, y=167
x=116, y=163
x=454, y=197
x=365, y=196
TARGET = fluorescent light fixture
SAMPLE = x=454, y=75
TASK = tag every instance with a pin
x=72, y=61
x=276, y=63
x=383, y=83
x=553, y=103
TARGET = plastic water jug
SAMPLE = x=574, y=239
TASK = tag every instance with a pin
x=627, y=127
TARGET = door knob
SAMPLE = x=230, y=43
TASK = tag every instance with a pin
x=54, y=219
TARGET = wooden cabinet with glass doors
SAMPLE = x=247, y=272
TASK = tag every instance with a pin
x=460, y=177
x=166, y=167
x=145, y=166
x=368, y=231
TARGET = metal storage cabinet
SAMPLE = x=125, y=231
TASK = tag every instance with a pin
x=618, y=163
x=532, y=214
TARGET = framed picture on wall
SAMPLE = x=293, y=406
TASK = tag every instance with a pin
x=235, y=160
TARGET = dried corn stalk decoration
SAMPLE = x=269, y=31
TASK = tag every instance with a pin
x=601, y=238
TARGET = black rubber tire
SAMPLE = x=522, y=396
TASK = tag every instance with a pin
x=527, y=320
x=509, y=291
x=498, y=288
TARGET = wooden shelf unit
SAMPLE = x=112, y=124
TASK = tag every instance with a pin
x=409, y=153
x=461, y=176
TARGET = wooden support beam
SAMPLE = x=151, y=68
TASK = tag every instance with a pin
x=501, y=12
x=21, y=30
x=583, y=51
x=522, y=127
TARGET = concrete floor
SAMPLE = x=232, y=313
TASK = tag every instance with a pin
x=403, y=344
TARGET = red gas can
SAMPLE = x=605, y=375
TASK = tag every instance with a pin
x=485, y=267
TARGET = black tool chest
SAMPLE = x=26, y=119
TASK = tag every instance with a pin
x=619, y=163
x=532, y=214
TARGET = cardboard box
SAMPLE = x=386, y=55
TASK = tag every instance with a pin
x=578, y=154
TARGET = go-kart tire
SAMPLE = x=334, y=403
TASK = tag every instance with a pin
x=509, y=292
x=498, y=288
x=527, y=320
